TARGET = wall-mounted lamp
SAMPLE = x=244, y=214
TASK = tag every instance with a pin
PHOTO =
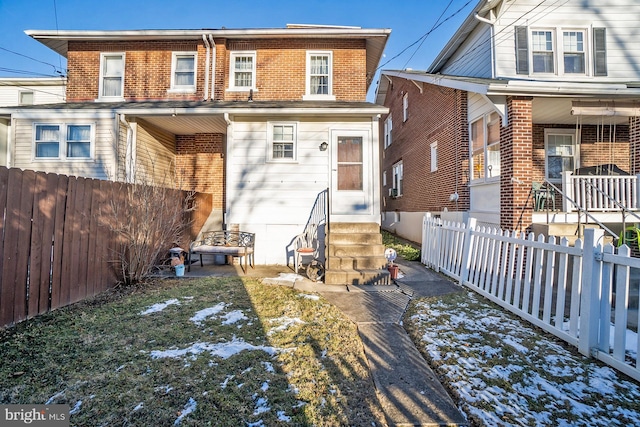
x=324, y=146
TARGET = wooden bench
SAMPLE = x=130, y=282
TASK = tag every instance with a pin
x=224, y=242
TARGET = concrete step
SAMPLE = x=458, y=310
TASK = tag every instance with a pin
x=356, y=238
x=357, y=277
x=355, y=250
x=354, y=227
x=356, y=262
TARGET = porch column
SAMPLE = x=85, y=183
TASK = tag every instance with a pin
x=634, y=144
x=516, y=157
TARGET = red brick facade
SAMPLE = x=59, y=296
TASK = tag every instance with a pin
x=200, y=164
x=280, y=68
x=436, y=115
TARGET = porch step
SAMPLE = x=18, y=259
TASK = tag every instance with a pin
x=357, y=277
x=356, y=262
x=355, y=255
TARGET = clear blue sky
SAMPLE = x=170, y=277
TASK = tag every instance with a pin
x=409, y=21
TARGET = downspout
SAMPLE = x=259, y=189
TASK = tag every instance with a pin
x=227, y=165
x=492, y=51
x=213, y=66
x=206, y=67
x=129, y=157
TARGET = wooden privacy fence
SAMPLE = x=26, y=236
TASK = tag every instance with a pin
x=56, y=247
x=580, y=293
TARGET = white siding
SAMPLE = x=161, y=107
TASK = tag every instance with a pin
x=100, y=167
x=620, y=18
x=275, y=199
x=477, y=105
x=473, y=58
x=45, y=91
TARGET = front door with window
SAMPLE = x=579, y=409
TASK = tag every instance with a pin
x=350, y=173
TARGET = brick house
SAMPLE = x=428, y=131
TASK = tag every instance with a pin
x=525, y=120
x=267, y=120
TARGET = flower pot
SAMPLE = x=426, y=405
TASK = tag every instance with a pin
x=393, y=270
x=179, y=270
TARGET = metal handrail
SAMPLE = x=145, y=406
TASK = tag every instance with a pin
x=580, y=210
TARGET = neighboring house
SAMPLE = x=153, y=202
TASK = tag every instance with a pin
x=27, y=91
x=526, y=94
x=264, y=119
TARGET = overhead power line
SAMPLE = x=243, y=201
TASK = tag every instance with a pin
x=57, y=70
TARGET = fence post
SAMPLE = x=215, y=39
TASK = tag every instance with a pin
x=425, y=243
x=636, y=191
x=590, y=298
x=466, y=250
x=567, y=187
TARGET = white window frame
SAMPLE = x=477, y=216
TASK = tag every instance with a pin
x=102, y=97
x=434, y=156
x=388, y=130
x=575, y=149
x=384, y=178
x=232, y=70
x=558, y=50
x=554, y=51
x=174, y=64
x=405, y=107
x=397, y=171
x=271, y=141
x=23, y=93
x=314, y=96
x=63, y=142
x=486, y=167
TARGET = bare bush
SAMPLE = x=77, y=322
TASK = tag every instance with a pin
x=147, y=220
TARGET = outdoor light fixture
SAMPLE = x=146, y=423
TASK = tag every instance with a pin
x=324, y=146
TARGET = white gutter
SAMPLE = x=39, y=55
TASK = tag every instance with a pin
x=206, y=67
x=481, y=19
x=319, y=111
x=213, y=66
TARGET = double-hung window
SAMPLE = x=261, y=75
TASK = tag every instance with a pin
x=242, y=73
x=398, y=177
x=573, y=52
x=63, y=141
x=282, y=141
x=25, y=98
x=111, y=76
x=319, y=80
x=183, y=72
x=388, y=128
x=485, y=147
x=561, y=153
x=405, y=107
x=542, y=51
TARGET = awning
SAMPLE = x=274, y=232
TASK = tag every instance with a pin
x=606, y=108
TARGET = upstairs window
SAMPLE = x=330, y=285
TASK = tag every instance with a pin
x=561, y=52
x=183, y=71
x=573, y=51
x=405, y=107
x=25, y=98
x=58, y=141
x=388, y=127
x=542, y=51
x=111, y=75
x=319, y=75
x=242, y=75
x=282, y=145
x=434, y=156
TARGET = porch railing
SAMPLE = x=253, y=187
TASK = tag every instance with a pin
x=600, y=193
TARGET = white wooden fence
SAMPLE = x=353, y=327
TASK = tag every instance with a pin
x=578, y=293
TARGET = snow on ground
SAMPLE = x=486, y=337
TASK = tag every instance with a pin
x=155, y=308
x=506, y=373
x=223, y=350
x=189, y=407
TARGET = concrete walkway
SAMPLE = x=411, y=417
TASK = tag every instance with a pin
x=408, y=390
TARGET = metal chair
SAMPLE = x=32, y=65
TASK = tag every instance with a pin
x=542, y=195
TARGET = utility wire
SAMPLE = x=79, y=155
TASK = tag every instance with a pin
x=55, y=69
x=424, y=36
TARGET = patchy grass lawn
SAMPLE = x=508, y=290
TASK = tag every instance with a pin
x=505, y=372
x=404, y=248
x=210, y=351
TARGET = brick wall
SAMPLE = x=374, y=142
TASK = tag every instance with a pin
x=436, y=115
x=516, y=152
x=200, y=164
x=280, y=68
